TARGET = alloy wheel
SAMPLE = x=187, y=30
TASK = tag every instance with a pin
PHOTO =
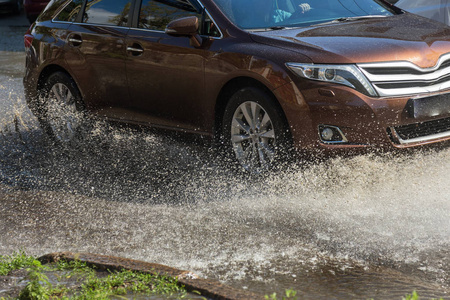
x=253, y=137
x=62, y=113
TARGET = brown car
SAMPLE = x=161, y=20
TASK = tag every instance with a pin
x=258, y=75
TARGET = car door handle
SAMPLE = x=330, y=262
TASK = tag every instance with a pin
x=75, y=40
x=135, y=49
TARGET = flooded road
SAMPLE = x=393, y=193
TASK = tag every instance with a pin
x=371, y=226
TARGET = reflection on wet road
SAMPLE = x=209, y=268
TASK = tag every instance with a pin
x=347, y=228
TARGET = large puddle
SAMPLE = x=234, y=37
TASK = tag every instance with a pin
x=376, y=225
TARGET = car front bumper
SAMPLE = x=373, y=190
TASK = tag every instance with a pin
x=364, y=122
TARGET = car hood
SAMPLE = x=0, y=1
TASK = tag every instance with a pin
x=404, y=37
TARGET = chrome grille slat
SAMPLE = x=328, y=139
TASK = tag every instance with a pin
x=418, y=83
x=398, y=70
x=405, y=78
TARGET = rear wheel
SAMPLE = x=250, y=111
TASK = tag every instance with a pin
x=63, y=117
x=254, y=130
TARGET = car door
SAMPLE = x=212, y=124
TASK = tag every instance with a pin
x=96, y=53
x=165, y=73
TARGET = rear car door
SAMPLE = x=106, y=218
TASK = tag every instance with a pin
x=96, y=53
x=165, y=73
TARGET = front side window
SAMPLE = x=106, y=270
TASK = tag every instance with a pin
x=107, y=12
x=259, y=14
x=209, y=28
x=156, y=14
x=70, y=11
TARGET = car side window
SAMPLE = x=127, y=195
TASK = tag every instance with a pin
x=70, y=12
x=107, y=12
x=156, y=14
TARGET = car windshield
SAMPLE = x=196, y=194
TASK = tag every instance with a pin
x=278, y=14
x=438, y=10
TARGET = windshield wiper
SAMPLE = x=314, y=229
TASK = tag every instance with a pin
x=269, y=28
x=346, y=19
x=349, y=19
x=277, y=27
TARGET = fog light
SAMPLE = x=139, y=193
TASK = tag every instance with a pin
x=327, y=134
x=331, y=134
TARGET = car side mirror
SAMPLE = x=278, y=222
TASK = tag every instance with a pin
x=187, y=26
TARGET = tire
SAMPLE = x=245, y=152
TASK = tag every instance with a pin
x=17, y=7
x=63, y=112
x=254, y=130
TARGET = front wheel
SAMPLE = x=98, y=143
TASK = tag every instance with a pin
x=62, y=117
x=254, y=130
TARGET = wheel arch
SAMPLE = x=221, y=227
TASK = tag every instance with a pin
x=49, y=70
x=231, y=87
x=34, y=84
x=36, y=103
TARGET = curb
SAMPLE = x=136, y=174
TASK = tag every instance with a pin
x=212, y=289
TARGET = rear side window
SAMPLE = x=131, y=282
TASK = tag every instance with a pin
x=156, y=14
x=107, y=12
x=70, y=11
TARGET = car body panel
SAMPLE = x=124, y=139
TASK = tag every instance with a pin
x=389, y=39
x=98, y=63
x=44, y=56
x=160, y=76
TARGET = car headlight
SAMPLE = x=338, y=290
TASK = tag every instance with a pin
x=348, y=75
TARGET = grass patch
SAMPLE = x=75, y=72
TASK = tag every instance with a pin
x=116, y=284
x=19, y=260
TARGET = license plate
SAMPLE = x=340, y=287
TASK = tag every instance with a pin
x=433, y=106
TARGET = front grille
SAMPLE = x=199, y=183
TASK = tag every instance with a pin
x=420, y=132
x=398, y=70
x=405, y=78
x=412, y=83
